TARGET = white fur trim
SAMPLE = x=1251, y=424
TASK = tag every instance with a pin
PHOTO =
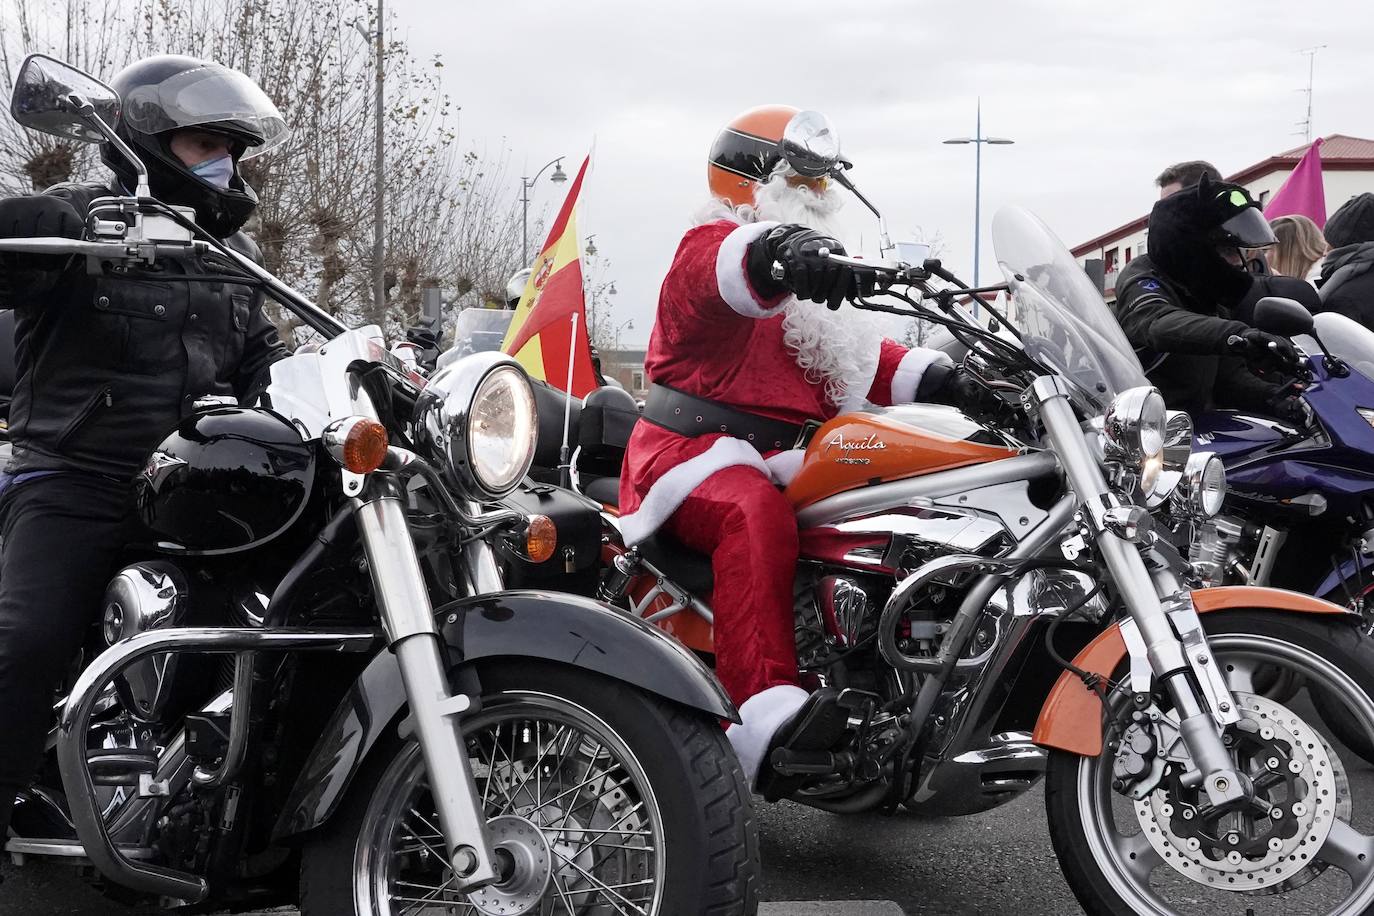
x=677, y=483
x=913, y=366
x=856, y=390
x=785, y=465
x=760, y=717
x=731, y=279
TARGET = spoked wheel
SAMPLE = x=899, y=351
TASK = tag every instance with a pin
x=1304, y=843
x=588, y=814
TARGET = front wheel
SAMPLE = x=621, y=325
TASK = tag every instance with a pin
x=1303, y=844
x=608, y=800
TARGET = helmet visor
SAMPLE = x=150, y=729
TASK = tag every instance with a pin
x=207, y=97
x=1249, y=229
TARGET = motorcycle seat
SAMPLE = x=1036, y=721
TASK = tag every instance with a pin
x=605, y=490
x=686, y=567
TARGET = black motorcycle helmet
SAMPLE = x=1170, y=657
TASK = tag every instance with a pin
x=1192, y=231
x=160, y=95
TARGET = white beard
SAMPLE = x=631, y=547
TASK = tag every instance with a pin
x=840, y=348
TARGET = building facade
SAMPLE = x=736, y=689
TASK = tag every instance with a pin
x=1347, y=170
x=627, y=368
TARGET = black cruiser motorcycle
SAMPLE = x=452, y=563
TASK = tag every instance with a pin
x=991, y=596
x=311, y=685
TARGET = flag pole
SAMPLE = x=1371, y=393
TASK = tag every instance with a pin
x=564, y=464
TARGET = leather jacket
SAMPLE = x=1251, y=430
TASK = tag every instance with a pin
x=107, y=365
x=1181, y=342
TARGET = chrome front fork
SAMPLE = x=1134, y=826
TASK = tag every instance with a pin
x=1150, y=633
x=408, y=617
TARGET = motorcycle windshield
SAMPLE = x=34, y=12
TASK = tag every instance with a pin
x=480, y=330
x=1347, y=339
x=1062, y=317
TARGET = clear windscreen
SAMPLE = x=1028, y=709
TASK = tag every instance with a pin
x=477, y=330
x=1065, y=323
x=1347, y=339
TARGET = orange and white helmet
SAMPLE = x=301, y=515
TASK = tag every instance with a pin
x=746, y=152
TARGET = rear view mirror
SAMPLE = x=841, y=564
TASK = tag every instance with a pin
x=1286, y=317
x=50, y=96
x=810, y=145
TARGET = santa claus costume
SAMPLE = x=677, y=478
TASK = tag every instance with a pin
x=719, y=341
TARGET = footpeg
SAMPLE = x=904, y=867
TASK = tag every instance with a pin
x=121, y=767
x=811, y=763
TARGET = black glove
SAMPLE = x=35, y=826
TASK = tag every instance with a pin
x=805, y=272
x=423, y=337
x=955, y=386
x=1264, y=352
x=1291, y=408
x=39, y=216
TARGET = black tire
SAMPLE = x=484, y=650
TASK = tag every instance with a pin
x=1334, y=713
x=710, y=841
x=1339, y=642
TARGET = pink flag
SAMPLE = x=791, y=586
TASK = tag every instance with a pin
x=1302, y=193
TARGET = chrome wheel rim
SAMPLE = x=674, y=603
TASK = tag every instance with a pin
x=1336, y=878
x=571, y=811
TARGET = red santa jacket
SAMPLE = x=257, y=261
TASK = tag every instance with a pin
x=715, y=337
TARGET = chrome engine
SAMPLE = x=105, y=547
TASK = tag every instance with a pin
x=141, y=597
x=1219, y=550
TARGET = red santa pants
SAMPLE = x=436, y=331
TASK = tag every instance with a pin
x=741, y=519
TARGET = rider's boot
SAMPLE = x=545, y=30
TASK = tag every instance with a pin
x=784, y=717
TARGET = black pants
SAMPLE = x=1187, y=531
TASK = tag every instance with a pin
x=62, y=538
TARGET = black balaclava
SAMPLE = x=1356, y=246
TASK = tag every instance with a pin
x=1187, y=230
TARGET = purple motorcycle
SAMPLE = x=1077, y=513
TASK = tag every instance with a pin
x=1299, y=508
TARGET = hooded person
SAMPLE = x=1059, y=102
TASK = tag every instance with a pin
x=107, y=364
x=1178, y=305
x=744, y=353
x=1347, y=272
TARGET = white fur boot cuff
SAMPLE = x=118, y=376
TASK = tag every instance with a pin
x=760, y=717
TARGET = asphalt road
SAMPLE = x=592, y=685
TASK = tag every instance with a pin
x=996, y=863
x=999, y=863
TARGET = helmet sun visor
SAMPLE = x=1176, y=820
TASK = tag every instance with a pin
x=213, y=97
x=1249, y=229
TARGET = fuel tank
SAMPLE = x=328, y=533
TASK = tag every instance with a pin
x=1234, y=436
x=891, y=443
x=225, y=481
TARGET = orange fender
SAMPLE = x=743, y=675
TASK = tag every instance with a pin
x=1071, y=719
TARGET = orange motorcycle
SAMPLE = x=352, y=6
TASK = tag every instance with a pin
x=991, y=597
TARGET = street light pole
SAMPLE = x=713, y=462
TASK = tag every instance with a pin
x=379, y=154
x=378, y=167
x=558, y=177
x=978, y=140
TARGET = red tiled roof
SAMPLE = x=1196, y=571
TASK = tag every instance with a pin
x=1340, y=152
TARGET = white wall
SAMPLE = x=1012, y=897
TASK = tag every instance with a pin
x=1339, y=186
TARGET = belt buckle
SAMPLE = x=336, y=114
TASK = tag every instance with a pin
x=808, y=430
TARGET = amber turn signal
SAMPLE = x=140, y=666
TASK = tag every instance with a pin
x=357, y=443
x=540, y=538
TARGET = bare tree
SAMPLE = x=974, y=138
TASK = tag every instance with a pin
x=451, y=219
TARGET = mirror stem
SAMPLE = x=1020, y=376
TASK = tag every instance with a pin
x=86, y=111
x=884, y=243
x=1333, y=364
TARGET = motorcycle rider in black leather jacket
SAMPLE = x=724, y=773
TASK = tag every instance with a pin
x=1178, y=306
x=107, y=365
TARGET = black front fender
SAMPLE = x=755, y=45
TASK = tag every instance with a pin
x=520, y=624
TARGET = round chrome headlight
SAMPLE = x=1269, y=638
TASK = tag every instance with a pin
x=1134, y=430
x=476, y=419
x=1202, y=487
x=1178, y=447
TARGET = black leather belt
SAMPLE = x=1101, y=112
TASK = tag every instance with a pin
x=692, y=416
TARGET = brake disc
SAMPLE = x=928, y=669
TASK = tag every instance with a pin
x=1300, y=790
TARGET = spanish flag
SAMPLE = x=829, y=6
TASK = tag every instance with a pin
x=553, y=308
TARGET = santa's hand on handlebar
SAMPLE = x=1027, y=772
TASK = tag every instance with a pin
x=806, y=268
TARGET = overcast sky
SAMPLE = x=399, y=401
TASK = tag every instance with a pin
x=1098, y=97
